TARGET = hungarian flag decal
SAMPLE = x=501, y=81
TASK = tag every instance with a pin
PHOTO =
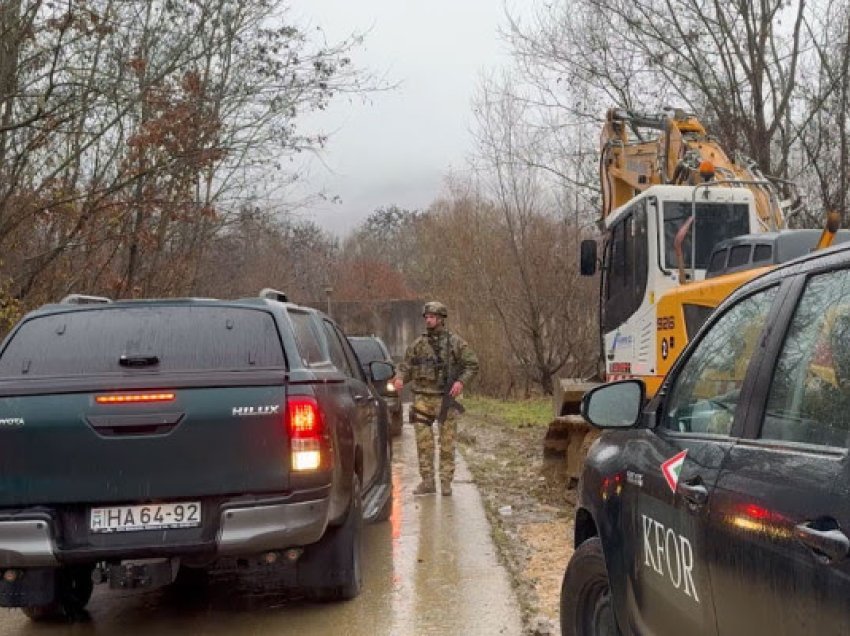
x=672, y=468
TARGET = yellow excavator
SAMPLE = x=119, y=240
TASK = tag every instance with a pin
x=683, y=226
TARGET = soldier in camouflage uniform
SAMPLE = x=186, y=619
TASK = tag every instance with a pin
x=433, y=360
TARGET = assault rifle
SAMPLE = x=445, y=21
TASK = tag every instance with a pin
x=448, y=402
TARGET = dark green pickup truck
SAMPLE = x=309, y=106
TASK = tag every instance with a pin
x=142, y=441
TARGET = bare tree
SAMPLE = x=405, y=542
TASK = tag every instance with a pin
x=131, y=133
x=825, y=149
x=258, y=250
x=538, y=308
x=738, y=65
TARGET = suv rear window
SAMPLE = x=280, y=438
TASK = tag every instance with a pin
x=367, y=349
x=182, y=338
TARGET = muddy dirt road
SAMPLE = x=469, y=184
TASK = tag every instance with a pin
x=431, y=570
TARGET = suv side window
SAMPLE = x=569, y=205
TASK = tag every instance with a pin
x=335, y=349
x=306, y=336
x=705, y=393
x=354, y=362
x=809, y=397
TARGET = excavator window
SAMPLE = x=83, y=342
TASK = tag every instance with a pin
x=715, y=222
x=626, y=266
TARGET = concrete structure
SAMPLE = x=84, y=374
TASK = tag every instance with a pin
x=396, y=322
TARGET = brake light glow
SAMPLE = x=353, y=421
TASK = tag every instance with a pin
x=304, y=418
x=305, y=428
x=133, y=398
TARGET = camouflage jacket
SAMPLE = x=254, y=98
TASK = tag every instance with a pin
x=435, y=357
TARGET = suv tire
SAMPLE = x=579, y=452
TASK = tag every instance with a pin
x=586, y=605
x=74, y=588
x=396, y=423
x=339, y=554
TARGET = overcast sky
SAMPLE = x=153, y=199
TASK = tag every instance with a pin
x=397, y=149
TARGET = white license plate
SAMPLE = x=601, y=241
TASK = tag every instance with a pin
x=186, y=514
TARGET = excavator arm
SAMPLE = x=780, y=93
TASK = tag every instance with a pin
x=640, y=150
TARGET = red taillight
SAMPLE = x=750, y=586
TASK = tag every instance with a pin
x=304, y=424
x=133, y=398
x=303, y=417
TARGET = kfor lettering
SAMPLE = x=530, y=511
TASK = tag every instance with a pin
x=669, y=554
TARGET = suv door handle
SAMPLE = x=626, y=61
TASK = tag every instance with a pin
x=694, y=492
x=829, y=545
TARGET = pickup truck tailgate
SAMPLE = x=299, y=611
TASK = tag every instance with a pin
x=69, y=448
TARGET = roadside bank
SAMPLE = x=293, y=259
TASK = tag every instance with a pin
x=525, y=498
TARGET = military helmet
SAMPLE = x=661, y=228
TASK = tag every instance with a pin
x=436, y=308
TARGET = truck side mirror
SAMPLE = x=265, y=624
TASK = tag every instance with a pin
x=614, y=405
x=588, y=257
x=381, y=371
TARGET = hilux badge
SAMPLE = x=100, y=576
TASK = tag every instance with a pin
x=242, y=411
x=672, y=468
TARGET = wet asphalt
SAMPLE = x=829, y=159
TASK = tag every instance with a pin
x=432, y=569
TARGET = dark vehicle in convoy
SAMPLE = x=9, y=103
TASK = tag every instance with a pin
x=147, y=440
x=371, y=349
x=722, y=506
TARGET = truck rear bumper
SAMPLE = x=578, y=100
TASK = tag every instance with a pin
x=244, y=528
x=27, y=542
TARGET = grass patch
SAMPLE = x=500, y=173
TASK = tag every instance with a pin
x=513, y=413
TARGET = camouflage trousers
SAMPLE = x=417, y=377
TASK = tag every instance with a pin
x=426, y=407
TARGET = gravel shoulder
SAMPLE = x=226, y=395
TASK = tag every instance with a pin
x=525, y=497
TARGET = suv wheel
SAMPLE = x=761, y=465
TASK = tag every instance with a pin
x=396, y=423
x=586, y=605
x=74, y=588
x=340, y=554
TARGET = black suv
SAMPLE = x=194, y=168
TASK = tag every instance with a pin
x=139, y=437
x=371, y=349
x=723, y=505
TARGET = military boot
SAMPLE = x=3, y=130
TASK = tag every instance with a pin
x=446, y=488
x=425, y=488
